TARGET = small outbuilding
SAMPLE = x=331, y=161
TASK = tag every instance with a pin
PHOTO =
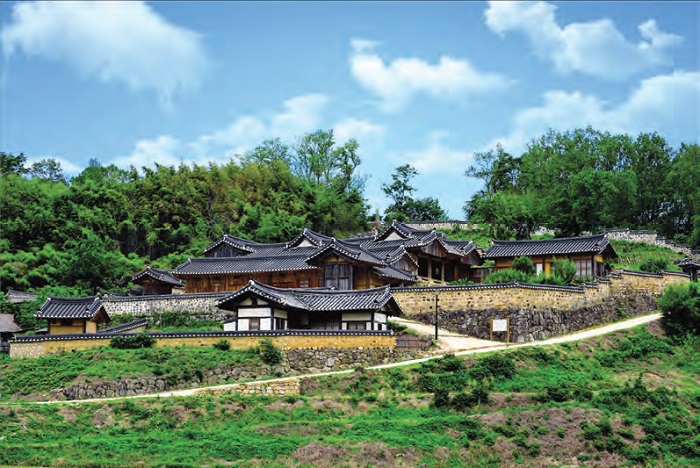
x=8, y=327
x=690, y=267
x=261, y=307
x=156, y=281
x=588, y=253
x=72, y=315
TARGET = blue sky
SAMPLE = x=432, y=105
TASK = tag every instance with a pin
x=426, y=83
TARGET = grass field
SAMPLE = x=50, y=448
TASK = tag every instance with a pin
x=630, y=398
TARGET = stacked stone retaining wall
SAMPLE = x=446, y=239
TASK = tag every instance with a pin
x=650, y=237
x=204, y=303
x=537, y=311
x=296, y=361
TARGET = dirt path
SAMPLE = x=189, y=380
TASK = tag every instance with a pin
x=454, y=343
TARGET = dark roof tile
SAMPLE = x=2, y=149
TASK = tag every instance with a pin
x=563, y=246
x=73, y=307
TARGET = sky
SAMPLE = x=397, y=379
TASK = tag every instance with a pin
x=423, y=83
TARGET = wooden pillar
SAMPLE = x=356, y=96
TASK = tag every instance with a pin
x=430, y=269
x=442, y=271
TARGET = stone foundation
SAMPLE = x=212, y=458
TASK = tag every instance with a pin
x=204, y=304
x=302, y=361
x=529, y=325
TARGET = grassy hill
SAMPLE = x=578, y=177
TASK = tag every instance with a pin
x=627, y=398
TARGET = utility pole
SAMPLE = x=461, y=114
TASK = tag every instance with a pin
x=437, y=300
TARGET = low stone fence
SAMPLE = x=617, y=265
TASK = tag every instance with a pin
x=39, y=345
x=150, y=305
x=537, y=311
x=650, y=237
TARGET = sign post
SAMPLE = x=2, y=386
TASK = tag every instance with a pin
x=499, y=326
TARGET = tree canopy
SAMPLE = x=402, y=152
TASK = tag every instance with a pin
x=585, y=180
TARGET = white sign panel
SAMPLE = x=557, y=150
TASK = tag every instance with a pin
x=499, y=325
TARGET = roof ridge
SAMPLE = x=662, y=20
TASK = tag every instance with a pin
x=554, y=239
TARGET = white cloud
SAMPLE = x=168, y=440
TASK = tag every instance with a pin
x=596, y=48
x=437, y=156
x=69, y=168
x=124, y=42
x=363, y=131
x=668, y=104
x=299, y=115
x=396, y=82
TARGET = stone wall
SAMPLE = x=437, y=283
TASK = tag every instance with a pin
x=296, y=361
x=149, y=305
x=650, y=237
x=529, y=325
x=39, y=345
x=537, y=311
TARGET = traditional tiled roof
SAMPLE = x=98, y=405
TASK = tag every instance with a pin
x=19, y=296
x=243, y=265
x=124, y=327
x=403, y=230
x=563, y=246
x=316, y=300
x=236, y=242
x=8, y=325
x=69, y=307
x=381, y=254
x=688, y=263
x=159, y=275
x=314, y=237
x=346, y=249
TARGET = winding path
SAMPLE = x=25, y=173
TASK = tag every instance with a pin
x=460, y=345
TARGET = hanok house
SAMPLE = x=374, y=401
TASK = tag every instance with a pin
x=690, y=267
x=8, y=328
x=72, y=315
x=399, y=256
x=155, y=281
x=261, y=307
x=588, y=253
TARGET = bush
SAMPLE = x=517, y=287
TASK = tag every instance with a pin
x=680, y=305
x=496, y=365
x=654, y=265
x=524, y=265
x=140, y=340
x=557, y=393
x=441, y=399
x=565, y=269
x=269, y=353
x=507, y=276
x=223, y=344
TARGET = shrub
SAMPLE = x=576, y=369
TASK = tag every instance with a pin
x=496, y=366
x=557, y=393
x=507, y=276
x=269, y=353
x=565, y=269
x=654, y=265
x=140, y=340
x=524, y=265
x=680, y=306
x=223, y=344
x=441, y=399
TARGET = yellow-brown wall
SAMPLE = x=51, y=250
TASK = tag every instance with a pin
x=39, y=348
x=482, y=297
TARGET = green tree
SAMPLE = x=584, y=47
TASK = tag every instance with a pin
x=680, y=306
x=404, y=206
x=12, y=164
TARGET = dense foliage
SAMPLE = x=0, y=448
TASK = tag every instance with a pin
x=585, y=180
x=107, y=222
x=680, y=305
